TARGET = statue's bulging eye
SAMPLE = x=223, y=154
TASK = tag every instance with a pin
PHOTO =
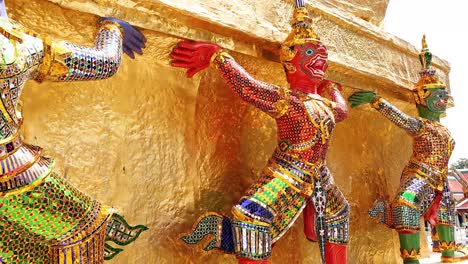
x=309, y=52
x=441, y=95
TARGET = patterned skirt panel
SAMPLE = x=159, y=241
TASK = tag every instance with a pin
x=336, y=212
x=50, y=221
x=277, y=203
x=446, y=214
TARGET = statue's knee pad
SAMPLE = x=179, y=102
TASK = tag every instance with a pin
x=405, y=217
x=251, y=230
x=252, y=240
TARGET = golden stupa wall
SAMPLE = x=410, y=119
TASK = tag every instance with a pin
x=164, y=149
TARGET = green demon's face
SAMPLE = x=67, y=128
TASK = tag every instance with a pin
x=437, y=101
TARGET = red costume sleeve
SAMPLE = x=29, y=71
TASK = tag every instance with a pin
x=266, y=97
x=340, y=107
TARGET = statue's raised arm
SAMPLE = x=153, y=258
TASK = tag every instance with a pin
x=196, y=56
x=410, y=124
x=65, y=61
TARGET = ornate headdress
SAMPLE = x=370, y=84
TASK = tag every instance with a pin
x=301, y=33
x=428, y=79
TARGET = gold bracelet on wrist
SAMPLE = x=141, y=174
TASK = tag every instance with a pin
x=110, y=25
x=376, y=102
x=332, y=86
x=53, y=63
x=44, y=67
x=219, y=56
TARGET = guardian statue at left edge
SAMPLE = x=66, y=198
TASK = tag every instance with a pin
x=43, y=218
x=296, y=177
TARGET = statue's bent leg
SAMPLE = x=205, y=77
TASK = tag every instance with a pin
x=446, y=240
x=414, y=198
x=336, y=223
x=445, y=228
x=409, y=246
x=264, y=214
x=309, y=221
x=435, y=239
x=406, y=221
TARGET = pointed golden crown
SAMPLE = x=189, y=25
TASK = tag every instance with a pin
x=428, y=79
x=302, y=32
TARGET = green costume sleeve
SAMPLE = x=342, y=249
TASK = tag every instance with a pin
x=410, y=124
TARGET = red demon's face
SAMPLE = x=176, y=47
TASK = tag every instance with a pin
x=310, y=62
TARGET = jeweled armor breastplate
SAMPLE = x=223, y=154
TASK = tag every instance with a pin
x=21, y=55
x=305, y=131
x=432, y=149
